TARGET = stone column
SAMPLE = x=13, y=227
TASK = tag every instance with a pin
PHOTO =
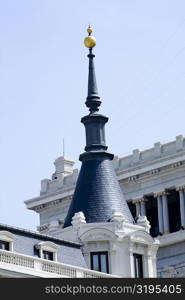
x=160, y=212
x=165, y=212
x=182, y=204
x=131, y=260
x=143, y=207
x=113, y=263
x=138, y=212
x=138, y=208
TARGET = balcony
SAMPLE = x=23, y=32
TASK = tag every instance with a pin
x=19, y=265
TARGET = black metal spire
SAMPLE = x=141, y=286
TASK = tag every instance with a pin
x=94, y=122
x=97, y=191
x=93, y=99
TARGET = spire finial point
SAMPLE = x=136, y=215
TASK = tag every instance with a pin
x=89, y=29
x=90, y=40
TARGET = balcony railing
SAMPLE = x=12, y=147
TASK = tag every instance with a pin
x=12, y=262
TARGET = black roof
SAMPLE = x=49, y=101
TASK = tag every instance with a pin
x=25, y=243
x=97, y=193
x=43, y=237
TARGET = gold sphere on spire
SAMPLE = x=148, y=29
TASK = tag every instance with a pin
x=89, y=29
x=90, y=40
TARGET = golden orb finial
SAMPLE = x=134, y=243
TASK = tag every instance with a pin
x=90, y=40
x=89, y=29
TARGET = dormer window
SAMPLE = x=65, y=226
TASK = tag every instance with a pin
x=6, y=240
x=4, y=245
x=47, y=250
x=47, y=255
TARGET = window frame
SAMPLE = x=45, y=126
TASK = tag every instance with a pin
x=45, y=252
x=140, y=265
x=48, y=247
x=7, y=237
x=5, y=244
x=99, y=253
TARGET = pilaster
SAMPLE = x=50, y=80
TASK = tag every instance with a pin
x=181, y=190
x=165, y=213
x=159, y=211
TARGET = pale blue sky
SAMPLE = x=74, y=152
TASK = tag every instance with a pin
x=140, y=56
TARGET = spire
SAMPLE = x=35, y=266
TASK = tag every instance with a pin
x=94, y=123
x=97, y=191
x=93, y=99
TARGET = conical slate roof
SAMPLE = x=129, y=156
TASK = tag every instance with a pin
x=97, y=191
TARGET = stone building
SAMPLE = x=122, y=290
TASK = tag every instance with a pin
x=152, y=183
x=109, y=218
x=89, y=207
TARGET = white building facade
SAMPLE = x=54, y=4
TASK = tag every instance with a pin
x=152, y=182
x=86, y=227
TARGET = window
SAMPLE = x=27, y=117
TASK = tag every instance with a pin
x=4, y=245
x=47, y=250
x=132, y=208
x=6, y=240
x=174, y=206
x=138, y=265
x=48, y=255
x=99, y=261
x=152, y=215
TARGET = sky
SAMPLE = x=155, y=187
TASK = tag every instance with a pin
x=140, y=58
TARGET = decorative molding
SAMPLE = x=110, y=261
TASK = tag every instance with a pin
x=99, y=233
x=138, y=200
x=143, y=221
x=158, y=194
x=43, y=227
x=77, y=220
x=39, y=208
x=161, y=194
x=176, y=165
x=165, y=193
x=142, y=237
x=147, y=174
x=180, y=188
x=132, y=178
x=154, y=171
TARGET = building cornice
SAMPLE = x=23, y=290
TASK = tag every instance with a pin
x=172, y=238
x=49, y=199
x=143, y=175
x=138, y=172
